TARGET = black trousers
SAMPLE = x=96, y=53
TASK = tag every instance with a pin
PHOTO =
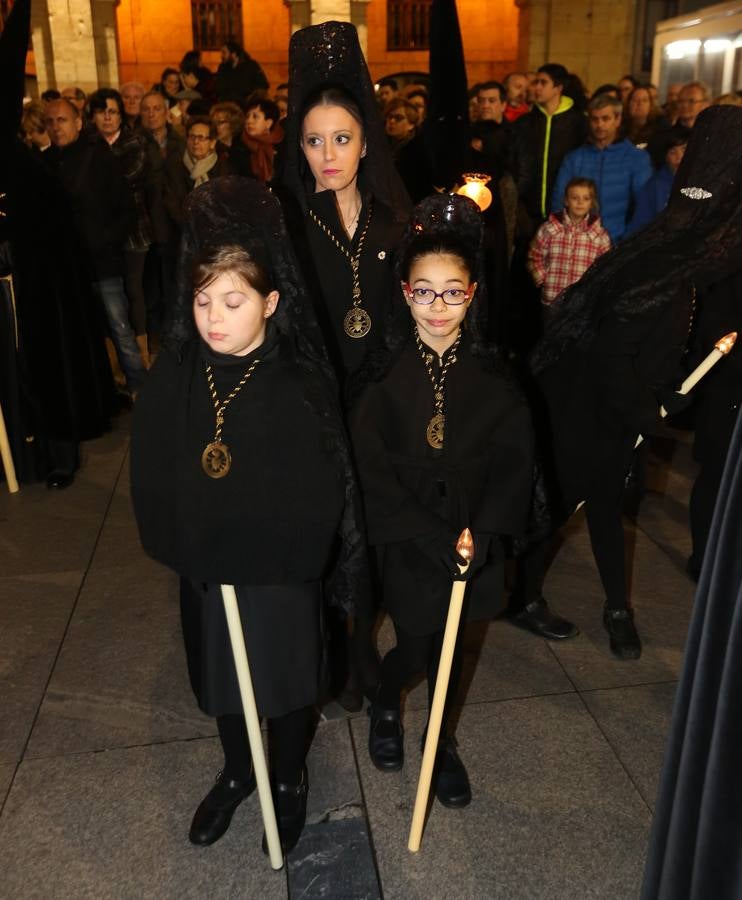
x=288, y=738
x=605, y=527
x=412, y=655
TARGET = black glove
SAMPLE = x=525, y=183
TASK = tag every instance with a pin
x=441, y=549
x=672, y=400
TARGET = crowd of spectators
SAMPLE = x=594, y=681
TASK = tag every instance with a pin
x=128, y=158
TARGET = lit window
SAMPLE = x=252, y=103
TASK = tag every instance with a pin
x=215, y=22
x=408, y=24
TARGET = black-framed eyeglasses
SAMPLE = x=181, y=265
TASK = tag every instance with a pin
x=427, y=296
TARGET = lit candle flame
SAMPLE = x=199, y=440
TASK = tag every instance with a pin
x=465, y=545
x=725, y=344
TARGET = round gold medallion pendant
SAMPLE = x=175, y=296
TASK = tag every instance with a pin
x=357, y=322
x=216, y=460
x=434, y=432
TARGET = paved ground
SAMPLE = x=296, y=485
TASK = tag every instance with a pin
x=104, y=755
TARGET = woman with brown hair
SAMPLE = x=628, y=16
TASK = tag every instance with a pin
x=229, y=121
x=643, y=117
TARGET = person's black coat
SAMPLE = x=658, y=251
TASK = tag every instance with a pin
x=413, y=164
x=599, y=399
x=327, y=272
x=157, y=161
x=413, y=494
x=697, y=830
x=55, y=382
x=236, y=83
x=719, y=395
x=102, y=202
x=568, y=131
x=274, y=518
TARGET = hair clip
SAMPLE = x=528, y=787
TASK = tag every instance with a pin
x=696, y=193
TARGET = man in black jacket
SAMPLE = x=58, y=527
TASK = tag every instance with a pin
x=238, y=75
x=542, y=138
x=163, y=144
x=103, y=211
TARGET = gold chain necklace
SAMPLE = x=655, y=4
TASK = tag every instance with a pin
x=357, y=321
x=216, y=460
x=437, y=424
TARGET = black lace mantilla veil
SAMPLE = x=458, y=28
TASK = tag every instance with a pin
x=235, y=210
x=331, y=54
x=697, y=238
x=242, y=211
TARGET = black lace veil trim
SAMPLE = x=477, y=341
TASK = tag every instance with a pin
x=330, y=54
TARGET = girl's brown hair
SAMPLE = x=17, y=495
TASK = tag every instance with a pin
x=232, y=259
x=586, y=183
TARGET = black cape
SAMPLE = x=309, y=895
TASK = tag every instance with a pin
x=481, y=479
x=274, y=517
x=694, y=851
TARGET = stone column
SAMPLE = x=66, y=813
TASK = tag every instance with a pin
x=74, y=43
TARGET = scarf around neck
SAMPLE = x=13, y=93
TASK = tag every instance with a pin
x=199, y=169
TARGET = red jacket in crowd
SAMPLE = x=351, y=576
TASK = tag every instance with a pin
x=563, y=250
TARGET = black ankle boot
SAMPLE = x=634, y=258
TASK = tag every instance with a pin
x=450, y=778
x=215, y=811
x=385, y=738
x=291, y=812
x=623, y=637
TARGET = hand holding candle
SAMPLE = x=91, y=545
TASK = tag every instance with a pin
x=465, y=549
x=721, y=348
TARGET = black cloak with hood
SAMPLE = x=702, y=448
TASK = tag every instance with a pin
x=55, y=380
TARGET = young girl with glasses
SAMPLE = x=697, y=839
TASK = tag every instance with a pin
x=442, y=440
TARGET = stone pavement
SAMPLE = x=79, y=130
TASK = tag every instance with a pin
x=104, y=754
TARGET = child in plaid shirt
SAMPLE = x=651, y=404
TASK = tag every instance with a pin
x=569, y=242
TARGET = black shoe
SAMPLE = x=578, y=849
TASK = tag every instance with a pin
x=385, y=739
x=624, y=638
x=291, y=812
x=215, y=811
x=538, y=618
x=450, y=779
x=58, y=481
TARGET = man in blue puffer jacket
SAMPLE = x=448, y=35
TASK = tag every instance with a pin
x=618, y=168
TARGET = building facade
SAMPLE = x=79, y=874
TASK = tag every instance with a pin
x=106, y=42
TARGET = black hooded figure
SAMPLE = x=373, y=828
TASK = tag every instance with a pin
x=697, y=830
x=241, y=475
x=614, y=350
x=345, y=214
x=442, y=439
x=56, y=387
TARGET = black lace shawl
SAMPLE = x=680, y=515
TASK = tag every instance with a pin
x=234, y=210
x=330, y=54
x=697, y=238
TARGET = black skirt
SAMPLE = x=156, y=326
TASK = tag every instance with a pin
x=281, y=625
